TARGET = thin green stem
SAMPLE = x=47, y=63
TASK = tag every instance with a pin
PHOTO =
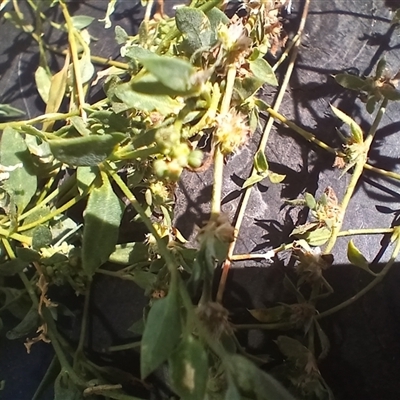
x=123, y=347
x=358, y=169
x=53, y=214
x=276, y=326
x=366, y=289
x=162, y=247
x=75, y=58
x=42, y=118
x=16, y=236
x=84, y=324
x=142, y=153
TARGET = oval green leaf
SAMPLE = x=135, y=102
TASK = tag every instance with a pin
x=355, y=256
x=22, y=182
x=161, y=333
x=100, y=233
x=86, y=150
x=188, y=366
x=350, y=81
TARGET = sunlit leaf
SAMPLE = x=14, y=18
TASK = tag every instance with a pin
x=22, y=181
x=260, y=162
x=81, y=21
x=276, y=178
x=146, y=102
x=43, y=83
x=356, y=130
x=263, y=71
x=175, y=73
x=120, y=35
x=253, y=179
x=355, y=256
x=310, y=201
x=195, y=28
x=110, y=9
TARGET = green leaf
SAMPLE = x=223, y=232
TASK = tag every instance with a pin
x=146, y=102
x=26, y=326
x=371, y=104
x=356, y=130
x=57, y=90
x=188, y=367
x=85, y=176
x=355, y=256
x=317, y=237
x=323, y=340
x=276, y=178
x=263, y=71
x=260, y=162
x=175, y=73
x=380, y=68
x=232, y=393
x=390, y=92
x=110, y=9
x=310, y=201
x=120, y=35
x=26, y=254
x=161, y=333
x=41, y=237
x=144, y=279
x=100, y=234
x=13, y=267
x=137, y=327
x=86, y=150
x=351, y=82
x=22, y=182
x=294, y=350
x=130, y=253
x=253, y=382
x=269, y=315
x=43, y=83
x=247, y=87
x=150, y=85
x=80, y=125
x=86, y=68
x=253, y=179
x=195, y=28
x=7, y=111
x=81, y=21
x=65, y=389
